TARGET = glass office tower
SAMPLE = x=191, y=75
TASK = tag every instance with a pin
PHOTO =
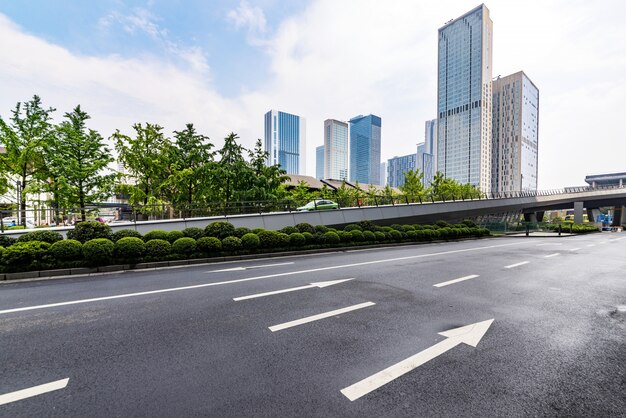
x=365, y=149
x=285, y=141
x=428, y=161
x=515, y=133
x=464, y=98
x=397, y=166
x=319, y=162
x=336, y=149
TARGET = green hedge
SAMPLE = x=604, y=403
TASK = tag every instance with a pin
x=98, y=251
x=45, y=236
x=130, y=248
x=85, y=231
x=209, y=245
x=66, y=250
x=193, y=232
x=156, y=234
x=158, y=248
x=219, y=230
x=184, y=246
x=123, y=233
x=231, y=244
x=172, y=236
x=250, y=241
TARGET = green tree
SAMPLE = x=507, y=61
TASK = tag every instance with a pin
x=301, y=194
x=77, y=158
x=24, y=138
x=413, y=186
x=191, y=162
x=264, y=181
x=230, y=170
x=147, y=160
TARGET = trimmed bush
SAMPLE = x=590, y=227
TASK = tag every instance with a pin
x=331, y=237
x=289, y=230
x=123, y=233
x=6, y=241
x=412, y=235
x=369, y=236
x=193, y=232
x=174, y=235
x=296, y=239
x=408, y=228
x=469, y=223
x=380, y=236
x=321, y=228
x=442, y=224
x=352, y=227
x=158, y=248
x=221, y=229
x=241, y=231
x=184, y=246
x=250, y=241
x=395, y=235
x=209, y=245
x=368, y=226
x=257, y=230
x=308, y=237
x=231, y=244
x=305, y=227
x=22, y=254
x=155, y=234
x=130, y=248
x=344, y=236
x=356, y=235
x=397, y=227
x=66, y=250
x=45, y=236
x=269, y=239
x=282, y=239
x=86, y=231
x=98, y=251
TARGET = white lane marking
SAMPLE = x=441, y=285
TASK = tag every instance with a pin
x=552, y=255
x=516, y=265
x=550, y=243
x=293, y=289
x=249, y=267
x=591, y=245
x=469, y=334
x=574, y=249
x=289, y=273
x=317, y=317
x=34, y=391
x=460, y=279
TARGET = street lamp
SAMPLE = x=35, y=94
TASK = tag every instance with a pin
x=19, y=201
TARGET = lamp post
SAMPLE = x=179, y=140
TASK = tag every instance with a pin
x=19, y=201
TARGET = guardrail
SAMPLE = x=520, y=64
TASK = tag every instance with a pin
x=32, y=218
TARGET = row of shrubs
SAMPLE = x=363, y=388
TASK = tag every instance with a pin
x=93, y=243
x=575, y=228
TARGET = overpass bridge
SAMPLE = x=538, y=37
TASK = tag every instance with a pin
x=531, y=204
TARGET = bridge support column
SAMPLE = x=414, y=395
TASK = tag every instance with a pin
x=617, y=215
x=530, y=217
x=593, y=214
x=578, y=212
x=539, y=216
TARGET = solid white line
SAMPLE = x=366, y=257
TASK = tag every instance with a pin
x=289, y=273
x=460, y=279
x=317, y=317
x=574, y=249
x=516, y=264
x=34, y=391
x=552, y=255
x=549, y=243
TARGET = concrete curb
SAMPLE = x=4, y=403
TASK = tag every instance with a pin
x=31, y=276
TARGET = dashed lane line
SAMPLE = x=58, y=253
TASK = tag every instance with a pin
x=317, y=317
x=33, y=391
x=552, y=255
x=460, y=279
x=516, y=265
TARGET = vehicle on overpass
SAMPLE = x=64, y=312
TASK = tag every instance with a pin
x=318, y=204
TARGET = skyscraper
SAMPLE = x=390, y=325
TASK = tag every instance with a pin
x=335, y=149
x=365, y=149
x=383, y=173
x=428, y=162
x=464, y=98
x=319, y=162
x=397, y=166
x=285, y=141
x=515, y=133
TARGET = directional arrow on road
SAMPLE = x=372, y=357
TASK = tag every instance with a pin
x=293, y=289
x=469, y=334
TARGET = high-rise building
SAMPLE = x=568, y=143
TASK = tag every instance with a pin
x=428, y=161
x=365, y=149
x=319, y=162
x=335, y=149
x=515, y=133
x=285, y=141
x=464, y=98
x=398, y=166
x=383, y=173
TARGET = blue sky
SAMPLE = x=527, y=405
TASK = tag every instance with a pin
x=222, y=64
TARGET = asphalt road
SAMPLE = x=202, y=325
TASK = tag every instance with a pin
x=174, y=342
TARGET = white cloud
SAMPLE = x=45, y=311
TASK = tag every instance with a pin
x=337, y=59
x=246, y=16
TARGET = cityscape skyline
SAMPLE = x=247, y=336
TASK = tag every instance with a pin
x=115, y=86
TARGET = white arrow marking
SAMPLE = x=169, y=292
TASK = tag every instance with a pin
x=34, y=391
x=249, y=267
x=574, y=249
x=552, y=255
x=516, y=265
x=293, y=289
x=317, y=317
x=469, y=334
x=460, y=279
